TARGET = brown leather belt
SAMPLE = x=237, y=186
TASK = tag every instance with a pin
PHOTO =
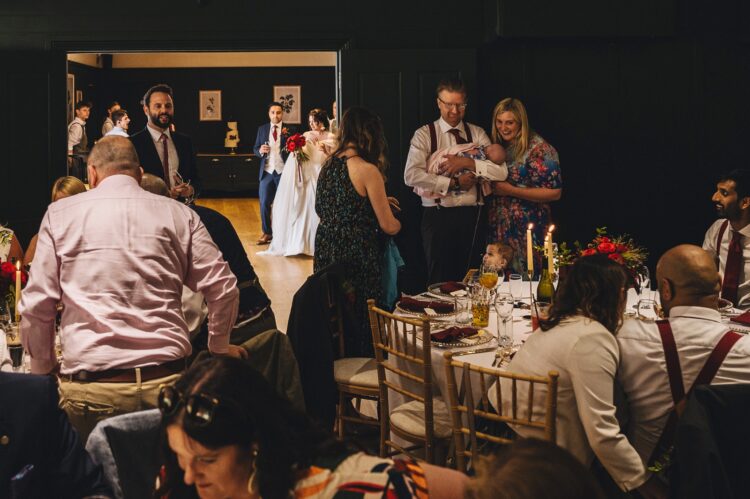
x=129, y=375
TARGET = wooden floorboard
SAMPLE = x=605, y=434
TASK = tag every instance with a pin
x=280, y=276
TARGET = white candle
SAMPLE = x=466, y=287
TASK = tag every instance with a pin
x=550, y=252
x=529, y=249
x=18, y=287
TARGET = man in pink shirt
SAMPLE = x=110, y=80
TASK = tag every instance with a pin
x=117, y=257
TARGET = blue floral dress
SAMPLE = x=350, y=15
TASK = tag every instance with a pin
x=510, y=216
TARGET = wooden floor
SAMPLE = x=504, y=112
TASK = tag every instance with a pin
x=280, y=276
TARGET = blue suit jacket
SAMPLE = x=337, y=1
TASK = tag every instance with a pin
x=38, y=445
x=262, y=137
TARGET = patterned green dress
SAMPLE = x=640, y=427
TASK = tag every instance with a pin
x=349, y=234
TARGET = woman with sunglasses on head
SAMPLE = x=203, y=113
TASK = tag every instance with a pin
x=229, y=435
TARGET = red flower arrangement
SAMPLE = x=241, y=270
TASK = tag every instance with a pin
x=621, y=249
x=8, y=284
x=294, y=144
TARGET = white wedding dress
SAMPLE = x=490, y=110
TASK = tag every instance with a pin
x=293, y=218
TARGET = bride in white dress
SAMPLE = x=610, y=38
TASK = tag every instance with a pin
x=293, y=216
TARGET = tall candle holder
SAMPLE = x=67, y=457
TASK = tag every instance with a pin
x=531, y=293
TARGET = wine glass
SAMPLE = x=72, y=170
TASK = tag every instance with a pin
x=489, y=274
x=645, y=283
x=504, y=304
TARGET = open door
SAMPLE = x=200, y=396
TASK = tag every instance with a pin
x=399, y=85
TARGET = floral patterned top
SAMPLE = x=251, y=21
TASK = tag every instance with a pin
x=6, y=237
x=509, y=216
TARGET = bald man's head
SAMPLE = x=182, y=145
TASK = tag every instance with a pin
x=113, y=155
x=687, y=275
x=154, y=185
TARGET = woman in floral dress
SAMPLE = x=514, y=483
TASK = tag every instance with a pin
x=533, y=182
x=355, y=213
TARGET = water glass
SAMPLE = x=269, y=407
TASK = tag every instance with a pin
x=463, y=309
x=480, y=306
x=515, y=284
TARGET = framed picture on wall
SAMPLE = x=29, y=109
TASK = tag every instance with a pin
x=290, y=97
x=210, y=105
x=79, y=96
x=70, y=97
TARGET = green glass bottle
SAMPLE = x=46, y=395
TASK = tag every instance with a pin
x=546, y=290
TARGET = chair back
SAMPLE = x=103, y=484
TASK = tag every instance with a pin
x=470, y=275
x=403, y=348
x=472, y=412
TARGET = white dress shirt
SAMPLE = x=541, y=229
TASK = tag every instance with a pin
x=274, y=163
x=643, y=368
x=107, y=126
x=585, y=355
x=416, y=174
x=174, y=159
x=75, y=133
x=720, y=257
x=117, y=258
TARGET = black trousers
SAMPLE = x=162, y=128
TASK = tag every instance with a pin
x=447, y=238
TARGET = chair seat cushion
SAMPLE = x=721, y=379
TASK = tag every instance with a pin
x=360, y=371
x=409, y=417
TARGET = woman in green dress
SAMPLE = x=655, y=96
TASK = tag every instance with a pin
x=355, y=214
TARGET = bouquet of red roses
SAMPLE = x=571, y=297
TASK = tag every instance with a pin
x=8, y=285
x=294, y=145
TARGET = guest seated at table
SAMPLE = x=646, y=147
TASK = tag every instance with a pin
x=498, y=254
x=689, y=287
x=532, y=469
x=228, y=434
x=578, y=341
x=62, y=188
x=10, y=248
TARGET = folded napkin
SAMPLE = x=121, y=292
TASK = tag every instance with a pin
x=451, y=286
x=452, y=334
x=742, y=318
x=414, y=305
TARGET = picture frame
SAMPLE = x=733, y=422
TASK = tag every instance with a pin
x=79, y=96
x=209, y=102
x=70, y=97
x=290, y=97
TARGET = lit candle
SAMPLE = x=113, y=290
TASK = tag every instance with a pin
x=529, y=249
x=550, y=252
x=18, y=287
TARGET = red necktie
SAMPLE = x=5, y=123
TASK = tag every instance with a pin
x=165, y=162
x=732, y=269
x=275, y=135
x=457, y=133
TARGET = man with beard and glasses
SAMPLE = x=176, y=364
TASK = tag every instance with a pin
x=162, y=152
x=728, y=239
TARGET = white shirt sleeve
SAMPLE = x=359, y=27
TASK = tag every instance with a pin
x=415, y=171
x=709, y=241
x=592, y=366
x=75, y=133
x=484, y=168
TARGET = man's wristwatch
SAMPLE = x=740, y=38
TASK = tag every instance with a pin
x=455, y=185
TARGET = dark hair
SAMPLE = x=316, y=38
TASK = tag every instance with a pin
x=252, y=414
x=82, y=103
x=593, y=288
x=741, y=179
x=118, y=115
x=274, y=103
x=112, y=104
x=161, y=87
x=451, y=85
x=532, y=469
x=363, y=130
x=319, y=116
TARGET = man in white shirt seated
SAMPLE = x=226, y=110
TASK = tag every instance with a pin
x=689, y=292
x=121, y=121
x=728, y=239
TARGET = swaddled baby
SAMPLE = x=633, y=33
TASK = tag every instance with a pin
x=492, y=152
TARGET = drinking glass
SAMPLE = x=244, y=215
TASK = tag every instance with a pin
x=504, y=304
x=515, y=285
x=463, y=309
x=648, y=310
x=489, y=275
x=15, y=348
x=645, y=284
x=539, y=312
x=480, y=305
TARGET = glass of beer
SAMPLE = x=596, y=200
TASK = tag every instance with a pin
x=480, y=306
x=15, y=348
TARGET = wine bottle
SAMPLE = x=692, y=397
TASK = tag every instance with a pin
x=546, y=290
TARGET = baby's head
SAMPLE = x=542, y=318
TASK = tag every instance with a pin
x=498, y=254
x=495, y=153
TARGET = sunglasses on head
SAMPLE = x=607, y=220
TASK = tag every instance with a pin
x=200, y=408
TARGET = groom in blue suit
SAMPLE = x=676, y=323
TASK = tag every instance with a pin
x=269, y=147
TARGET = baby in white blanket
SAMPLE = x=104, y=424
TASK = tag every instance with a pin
x=492, y=152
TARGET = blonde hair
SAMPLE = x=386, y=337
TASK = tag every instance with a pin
x=66, y=187
x=517, y=109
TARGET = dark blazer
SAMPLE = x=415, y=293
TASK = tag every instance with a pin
x=39, y=446
x=262, y=137
x=146, y=149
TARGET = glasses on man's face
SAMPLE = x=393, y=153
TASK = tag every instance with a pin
x=200, y=408
x=457, y=107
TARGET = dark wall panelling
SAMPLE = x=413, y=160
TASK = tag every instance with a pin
x=245, y=95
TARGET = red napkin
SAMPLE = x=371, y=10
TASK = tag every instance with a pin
x=451, y=286
x=414, y=305
x=452, y=334
x=742, y=318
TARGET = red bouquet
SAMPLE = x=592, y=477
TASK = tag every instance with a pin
x=294, y=144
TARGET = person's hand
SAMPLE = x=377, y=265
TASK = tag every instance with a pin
x=181, y=189
x=265, y=149
x=453, y=164
x=394, y=204
x=234, y=351
x=502, y=188
x=467, y=180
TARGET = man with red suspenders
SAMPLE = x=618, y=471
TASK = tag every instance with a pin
x=660, y=362
x=728, y=239
x=449, y=223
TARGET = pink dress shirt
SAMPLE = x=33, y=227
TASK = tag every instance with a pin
x=117, y=257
